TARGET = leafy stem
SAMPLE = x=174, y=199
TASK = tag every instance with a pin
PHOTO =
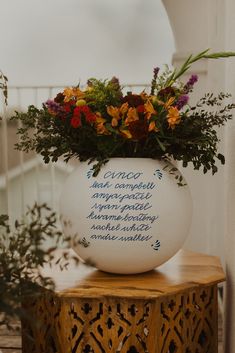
x=192, y=59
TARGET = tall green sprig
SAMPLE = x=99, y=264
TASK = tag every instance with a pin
x=177, y=73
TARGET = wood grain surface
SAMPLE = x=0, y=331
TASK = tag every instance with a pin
x=185, y=270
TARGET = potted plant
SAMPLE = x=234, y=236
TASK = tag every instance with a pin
x=130, y=210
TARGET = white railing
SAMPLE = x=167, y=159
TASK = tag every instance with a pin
x=24, y=181
x=15, y=192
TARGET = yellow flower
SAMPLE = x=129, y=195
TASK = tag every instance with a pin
x=80, y=102
x=173, y=117
x=149, y=109
x=132, y=115
x=72, y=92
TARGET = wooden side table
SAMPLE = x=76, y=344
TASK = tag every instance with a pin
x=168, y=310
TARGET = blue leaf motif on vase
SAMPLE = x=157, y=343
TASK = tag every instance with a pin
x=158, y=173
x=84, y=242
x=89, y=173
x=156, y=245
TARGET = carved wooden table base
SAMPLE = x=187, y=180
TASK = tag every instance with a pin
x=93, y=319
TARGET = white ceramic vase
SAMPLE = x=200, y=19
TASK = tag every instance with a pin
x=131, y=218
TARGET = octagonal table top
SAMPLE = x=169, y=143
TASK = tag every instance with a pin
x=185, y=270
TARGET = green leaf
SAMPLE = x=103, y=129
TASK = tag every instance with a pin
x=221, y=158
x=160, y=144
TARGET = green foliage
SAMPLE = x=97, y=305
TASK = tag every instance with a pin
x=197, y=142
x=103, y=94
x=22, y=254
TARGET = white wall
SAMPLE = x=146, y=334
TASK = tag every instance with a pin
x=230, y=185
x=65, y=41
x=208, y=192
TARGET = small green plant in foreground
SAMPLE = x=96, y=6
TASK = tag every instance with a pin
x=23, y=253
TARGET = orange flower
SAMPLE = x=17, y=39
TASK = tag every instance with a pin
x=115, y=114
x=173, y=117
x=144, y=95
x=100, y=128
x=149, y=109
x=132, y=115
x=169, y=102
x=126, y=133
x=152, y=126
x=166, y=104
x=124, y=108
x=72, y=92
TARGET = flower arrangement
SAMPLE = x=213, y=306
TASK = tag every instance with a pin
x=99, y=121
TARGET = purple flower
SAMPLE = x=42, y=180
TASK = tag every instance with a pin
x=189, y=85
x=182, y=100
x=115, y=80
x=193, y=79
x=154, y=80
x=53, y=106
x=156, y=71
x=116, y=85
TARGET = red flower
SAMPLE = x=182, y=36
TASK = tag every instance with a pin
x=77, y=112
x=85, y=109
x=133, y=100
x=139, y=129
x=90, y=117
x=166, y=92
x=68, y=106
x=59, y=98
x=140, y=108
x=75, y=122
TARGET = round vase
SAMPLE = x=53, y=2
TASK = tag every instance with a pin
x=130, y=218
